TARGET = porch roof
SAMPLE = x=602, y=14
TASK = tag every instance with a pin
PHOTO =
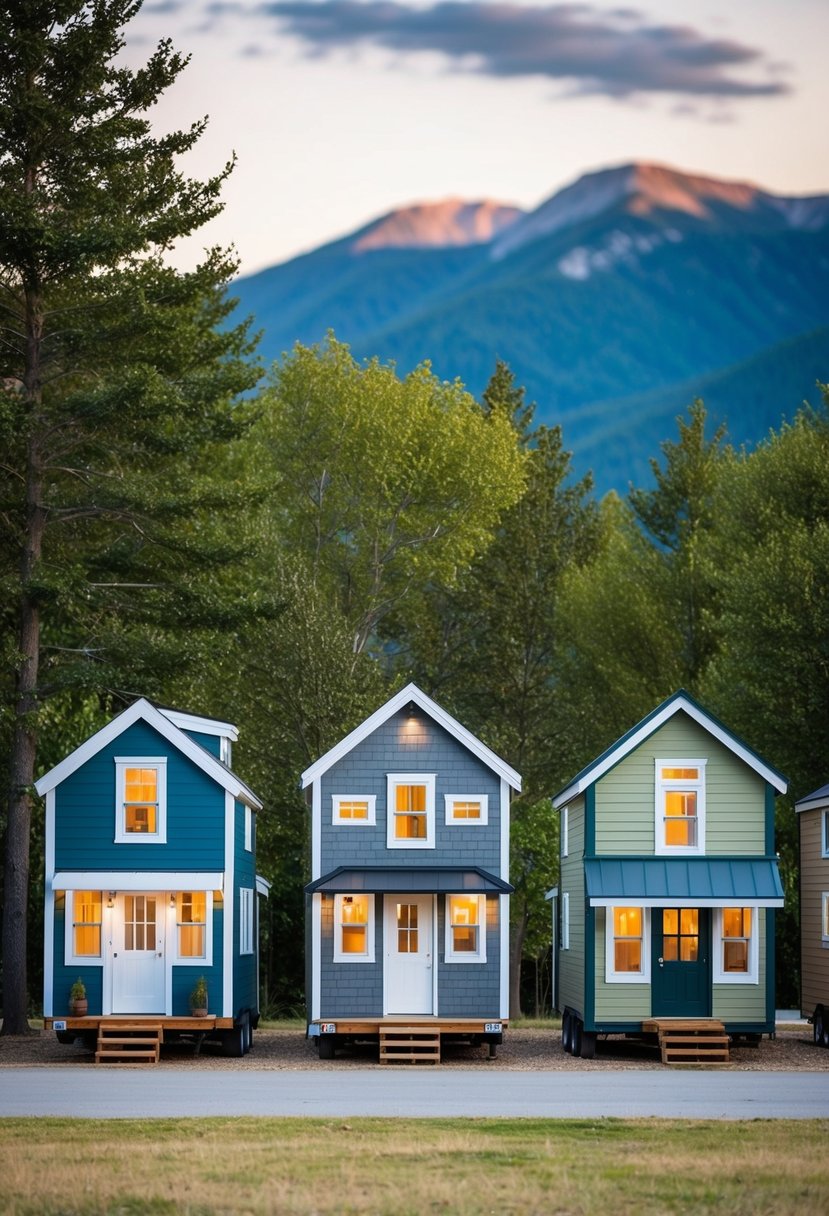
x=706, y=882
x=394, y=880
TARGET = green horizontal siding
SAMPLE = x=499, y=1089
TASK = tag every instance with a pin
x=571, y=962
x=616, y=1002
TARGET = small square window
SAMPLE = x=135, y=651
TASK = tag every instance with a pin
x=354, y=810
x=466, y=928
x=467, y=810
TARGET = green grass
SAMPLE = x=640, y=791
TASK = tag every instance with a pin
x=201, y=1167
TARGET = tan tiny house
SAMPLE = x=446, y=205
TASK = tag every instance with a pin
x=813, y=822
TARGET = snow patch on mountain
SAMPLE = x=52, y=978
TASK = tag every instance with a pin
x=581, y=262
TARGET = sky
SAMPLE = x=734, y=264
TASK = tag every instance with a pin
x=341, y=110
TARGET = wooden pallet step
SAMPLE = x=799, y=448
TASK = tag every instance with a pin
x=129, y=1043
x=409, y=1045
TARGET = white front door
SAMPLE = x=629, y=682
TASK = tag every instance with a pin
x=138, y=954
x=409, y=953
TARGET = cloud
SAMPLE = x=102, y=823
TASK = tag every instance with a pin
x=615, y=52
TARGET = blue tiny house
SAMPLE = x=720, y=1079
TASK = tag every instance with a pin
x=408, y=904
x=669, y=882
x=150, y=845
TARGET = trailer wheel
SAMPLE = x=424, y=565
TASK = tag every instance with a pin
x=578, y=1031
x=247, y=1033
x=233, y=1042
x=325, y=1046
x=588, y=1044
x=820, y=1027
x=567, y=1032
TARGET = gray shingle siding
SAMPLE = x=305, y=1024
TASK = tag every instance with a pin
x=352, y=990
x=470, y=989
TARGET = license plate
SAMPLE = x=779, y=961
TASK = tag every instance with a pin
x=493, y=1027
x=328, y=1027
x=59, y=1024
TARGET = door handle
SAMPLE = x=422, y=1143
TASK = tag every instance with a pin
x=660, y=961
x=115, y=955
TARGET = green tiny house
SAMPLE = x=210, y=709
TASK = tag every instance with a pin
x=669, y=881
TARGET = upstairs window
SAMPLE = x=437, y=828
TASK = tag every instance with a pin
x=353, y=928
x=466, y=929
x=411, y=811
x=467, y=810
x=680, y=806
x=627, y=946
x=141, y=800
x=354, y=810
x=736, y=949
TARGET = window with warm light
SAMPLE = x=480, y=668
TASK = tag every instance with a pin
x=191, y=924
x=354, y=810
x=680, y=806
x=627, y=954
x=466, y=928
x=736, y=946
x=467, y=810
x=354, y=928
x=141, y=800
x=86, y=923
x=411, y=811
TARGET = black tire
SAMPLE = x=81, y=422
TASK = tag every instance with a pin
x=66, y=1036
x=817, y=1026
x=578, y=1031
x=588, y=1044
x=325, y=1046
x=567, y=1032
x=247, y=1033
x=233, y=1043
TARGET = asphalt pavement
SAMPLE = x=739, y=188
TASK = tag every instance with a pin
x=417, y=1092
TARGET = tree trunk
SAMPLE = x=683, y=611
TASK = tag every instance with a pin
x=518, y=932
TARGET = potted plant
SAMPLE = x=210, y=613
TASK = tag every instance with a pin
x=198, y=998
x=78, y=1003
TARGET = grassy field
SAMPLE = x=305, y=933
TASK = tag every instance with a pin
x=227, y=1166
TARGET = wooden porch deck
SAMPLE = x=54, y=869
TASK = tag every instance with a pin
x=690, y=1040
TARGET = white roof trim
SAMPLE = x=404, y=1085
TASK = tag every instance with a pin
x=592, y=774
x=263, y=887
x=205, y=726
x=144, y=711
x=412, y=693
x=687, y=902
x=137, y=880
x=812, y=803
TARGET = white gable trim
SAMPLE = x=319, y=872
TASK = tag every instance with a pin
x=412, y=693
x=142, y=710
x=648, y=727
x=204, y=726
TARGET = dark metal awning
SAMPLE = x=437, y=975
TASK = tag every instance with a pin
x=394, y=880
x=705, y=882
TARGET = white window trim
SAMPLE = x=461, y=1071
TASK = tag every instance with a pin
x=565, y=920
x=824, y=919
x=248, y=830
x=69, y=955
x=752, y=976
x=368, y=822
x=395, y=779
x=339, y=956
x=672, y=850
x=246, y=897
x=451, y=799
x=188, y=960
x=122, y=836
x=824, y=833
x=611, y=975
x=465, y=956
x=565, y=831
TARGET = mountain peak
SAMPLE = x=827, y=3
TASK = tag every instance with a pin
x=451, y=222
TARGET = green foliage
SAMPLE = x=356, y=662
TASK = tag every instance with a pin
x=78, y=990
x=198, y=997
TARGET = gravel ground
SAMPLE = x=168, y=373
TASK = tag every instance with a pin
x=522, y=1050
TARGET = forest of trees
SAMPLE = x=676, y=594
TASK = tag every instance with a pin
x=285, y=553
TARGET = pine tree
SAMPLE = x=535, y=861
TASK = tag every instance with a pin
x=117, y=376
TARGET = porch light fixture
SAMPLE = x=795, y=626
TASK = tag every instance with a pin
x=172, y=899
x=110, y=899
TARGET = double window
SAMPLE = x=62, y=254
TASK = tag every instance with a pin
x=627, y=946
x=354, y=928
x=411, y=811
x=466, y=928
x=680, y=806
x=141, y=800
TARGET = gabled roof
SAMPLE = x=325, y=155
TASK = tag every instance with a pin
x=814, y=801
x=411, y=693
x=680, y=701
x=143, y=710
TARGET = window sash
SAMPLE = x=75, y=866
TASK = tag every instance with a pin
x=467, y=810
x=87, y=919
x=353, y=928
x=465, y=928
x=410, y=810
x=354, y=810
x=141, y=800
x=627, y=945
x=680, y=806
x=191, y=924
x=736, y=944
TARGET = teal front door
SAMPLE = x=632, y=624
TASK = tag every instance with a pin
x=681, y=963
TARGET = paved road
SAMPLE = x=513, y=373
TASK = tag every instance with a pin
x=414, y=1092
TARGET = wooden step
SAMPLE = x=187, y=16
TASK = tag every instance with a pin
x=409, y=1045
x=692, y=1040
x=129, y=1043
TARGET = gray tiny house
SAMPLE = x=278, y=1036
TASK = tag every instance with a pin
x=813, y=823
x=151, y=884
x=669, y=882
x=408, y=903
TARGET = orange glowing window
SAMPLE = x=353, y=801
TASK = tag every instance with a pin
x=86, y=923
